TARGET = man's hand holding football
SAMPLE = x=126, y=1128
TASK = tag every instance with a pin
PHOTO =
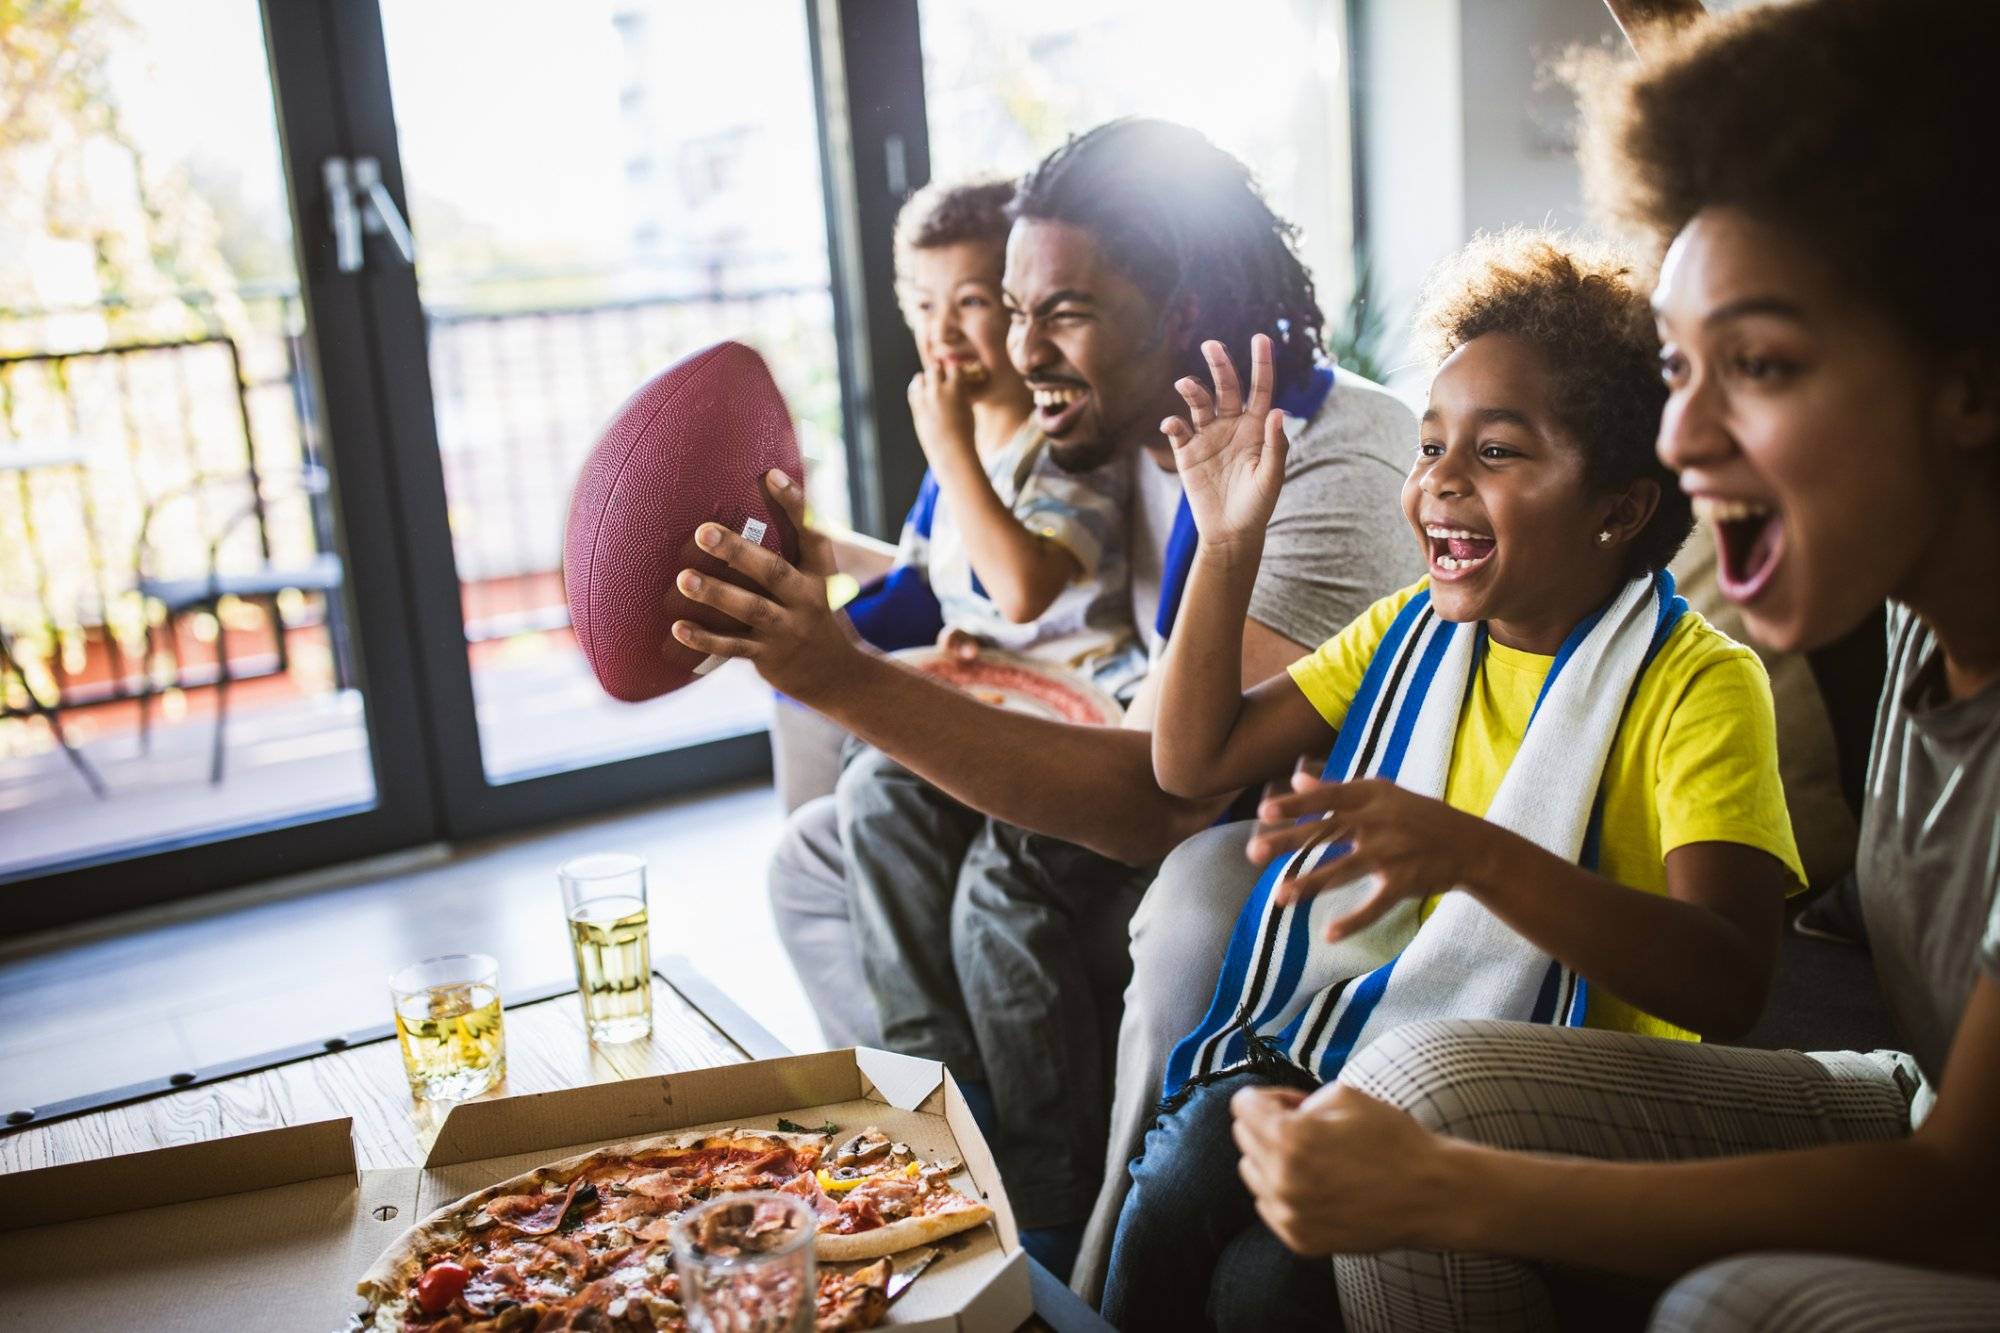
x=797, y=643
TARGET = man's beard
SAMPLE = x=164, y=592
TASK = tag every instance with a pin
x=1082, y=455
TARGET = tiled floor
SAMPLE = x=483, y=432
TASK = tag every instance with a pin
x=85, y=1015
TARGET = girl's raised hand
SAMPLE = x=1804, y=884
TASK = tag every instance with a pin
x=1232, y=458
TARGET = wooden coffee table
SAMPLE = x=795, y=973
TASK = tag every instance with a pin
x=695, y=1026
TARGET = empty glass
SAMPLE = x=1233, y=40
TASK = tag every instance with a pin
x=746, y=1264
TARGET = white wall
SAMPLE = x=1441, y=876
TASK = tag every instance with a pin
x=1463, y=131
x=1412, y=146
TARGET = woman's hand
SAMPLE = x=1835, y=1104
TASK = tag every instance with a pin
x=1232, y=459
x=1414, y=846
x=1338, y=1172
x=941, y=405
x=790, y=634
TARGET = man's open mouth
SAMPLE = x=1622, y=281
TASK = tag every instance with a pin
x=1457, y=553
x=1749, y=543
x=1057, y=407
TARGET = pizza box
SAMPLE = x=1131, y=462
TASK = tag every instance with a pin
x=271, y=1230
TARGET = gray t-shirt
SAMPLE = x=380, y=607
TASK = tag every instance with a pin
x=1338, y=541
x=1930, y=843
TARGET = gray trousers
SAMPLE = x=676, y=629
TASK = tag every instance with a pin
x=919, y=925
x=808, y=888
x=1178, y=937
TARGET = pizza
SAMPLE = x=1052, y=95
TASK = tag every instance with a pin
x=583, y=1242
x=1019, y=684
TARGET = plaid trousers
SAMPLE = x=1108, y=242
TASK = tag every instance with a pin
x=1621, y=1097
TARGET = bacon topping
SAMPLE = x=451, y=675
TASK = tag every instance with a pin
x=533, y=1214
x=490, y=1286
x=658, y=1228
x=856, y=1214
x=659, y=1187
x=778, y=1162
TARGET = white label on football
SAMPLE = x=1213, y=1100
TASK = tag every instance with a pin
x=753, y=531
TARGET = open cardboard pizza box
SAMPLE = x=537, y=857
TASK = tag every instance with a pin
x=271, y=1230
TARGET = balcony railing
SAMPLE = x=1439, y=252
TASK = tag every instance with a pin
x=178, y=451
x=90, y=441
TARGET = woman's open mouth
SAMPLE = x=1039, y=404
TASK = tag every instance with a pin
x=1457, y=553
x=1749, y=544
x=1058, y=407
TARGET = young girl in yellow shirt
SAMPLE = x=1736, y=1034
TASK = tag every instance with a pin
x=1546, y=523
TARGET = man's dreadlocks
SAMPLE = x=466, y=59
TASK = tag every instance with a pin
x=1186, y=222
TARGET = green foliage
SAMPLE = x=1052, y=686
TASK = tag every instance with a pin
x=1354, y=340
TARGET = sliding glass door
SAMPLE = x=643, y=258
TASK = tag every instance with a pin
x=595, y=191
x=309, y=312
x=187, y=657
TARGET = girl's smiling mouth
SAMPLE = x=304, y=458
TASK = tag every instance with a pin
x=1457, y=553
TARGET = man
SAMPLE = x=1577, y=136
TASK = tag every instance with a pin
x=1130, y=246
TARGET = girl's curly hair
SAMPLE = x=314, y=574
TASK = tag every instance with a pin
x=1585, y=310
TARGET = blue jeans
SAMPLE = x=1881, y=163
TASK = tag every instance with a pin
x=1191, y=1253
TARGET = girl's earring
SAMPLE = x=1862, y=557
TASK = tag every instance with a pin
x=1604, y=538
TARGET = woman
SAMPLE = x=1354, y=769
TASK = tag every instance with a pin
x=1820, y=177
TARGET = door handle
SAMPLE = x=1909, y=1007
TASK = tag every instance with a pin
x=379, y=215
x=358, y=204
x=342, y=216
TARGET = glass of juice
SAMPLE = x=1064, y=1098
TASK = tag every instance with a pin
x=604, y=898
x=746, y=1264
x=448, y=1024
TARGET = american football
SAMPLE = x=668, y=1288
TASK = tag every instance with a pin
x=691, y=446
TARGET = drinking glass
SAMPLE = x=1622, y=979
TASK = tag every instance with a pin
x=604, y=899
x=449, y=1027
x=746, y=1264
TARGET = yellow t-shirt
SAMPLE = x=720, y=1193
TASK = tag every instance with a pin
x=1696, y=759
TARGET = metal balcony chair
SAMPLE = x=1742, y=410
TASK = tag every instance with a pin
x=178, y=596
x=51, y=714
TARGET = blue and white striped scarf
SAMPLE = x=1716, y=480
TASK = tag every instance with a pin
x=1287, y=994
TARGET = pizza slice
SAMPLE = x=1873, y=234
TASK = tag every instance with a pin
x=850, y=1300
x=876, y=1196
